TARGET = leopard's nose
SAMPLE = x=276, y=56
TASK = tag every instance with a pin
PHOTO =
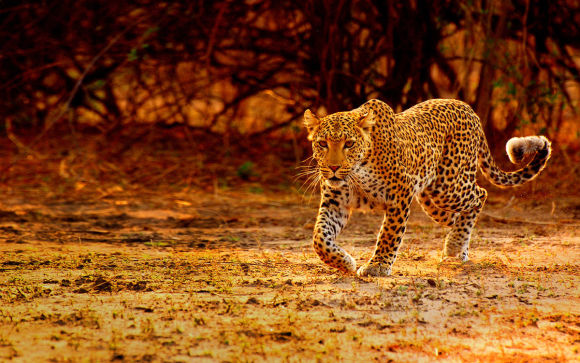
x=334, y=168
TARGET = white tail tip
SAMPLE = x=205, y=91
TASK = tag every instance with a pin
x=518, y=147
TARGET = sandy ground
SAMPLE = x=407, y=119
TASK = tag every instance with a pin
x=231, y=276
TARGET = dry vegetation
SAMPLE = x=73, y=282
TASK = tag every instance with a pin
x=224, y=271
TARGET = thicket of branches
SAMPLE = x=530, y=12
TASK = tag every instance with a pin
x=253, y=66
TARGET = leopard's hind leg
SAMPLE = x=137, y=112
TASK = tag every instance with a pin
x=461, y=220
x=457, y=240
x=441, y=216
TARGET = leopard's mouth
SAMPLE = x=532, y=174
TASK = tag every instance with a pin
x=335, y=182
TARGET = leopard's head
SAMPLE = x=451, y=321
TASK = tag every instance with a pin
x=340, y=142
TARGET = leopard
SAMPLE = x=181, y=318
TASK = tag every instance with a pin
x=372, y=158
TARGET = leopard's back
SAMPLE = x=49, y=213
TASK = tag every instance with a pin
x=426, y=140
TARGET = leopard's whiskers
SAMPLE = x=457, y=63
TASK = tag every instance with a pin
x=312, y=175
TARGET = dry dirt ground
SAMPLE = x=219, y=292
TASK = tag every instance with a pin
x=231, y=276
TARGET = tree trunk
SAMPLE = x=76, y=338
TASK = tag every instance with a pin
x=485, y=89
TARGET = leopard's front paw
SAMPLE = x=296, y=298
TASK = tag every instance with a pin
x=349, y=264
x=374, y=269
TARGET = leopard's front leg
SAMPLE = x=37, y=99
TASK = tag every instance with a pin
x=388, y=240
x=332, y=217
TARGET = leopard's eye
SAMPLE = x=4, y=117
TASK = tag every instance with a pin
x=348, y=144
x=323, y=143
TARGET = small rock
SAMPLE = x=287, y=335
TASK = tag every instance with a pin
x=253, y=301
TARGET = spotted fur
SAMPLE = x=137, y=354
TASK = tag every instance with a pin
x=372, y=158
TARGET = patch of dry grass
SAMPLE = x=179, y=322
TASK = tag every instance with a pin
x=232, y=277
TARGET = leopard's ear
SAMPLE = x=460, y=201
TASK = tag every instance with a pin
x=311, y=122
x=367, y=121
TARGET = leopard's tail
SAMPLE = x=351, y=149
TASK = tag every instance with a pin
x=517, y=148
